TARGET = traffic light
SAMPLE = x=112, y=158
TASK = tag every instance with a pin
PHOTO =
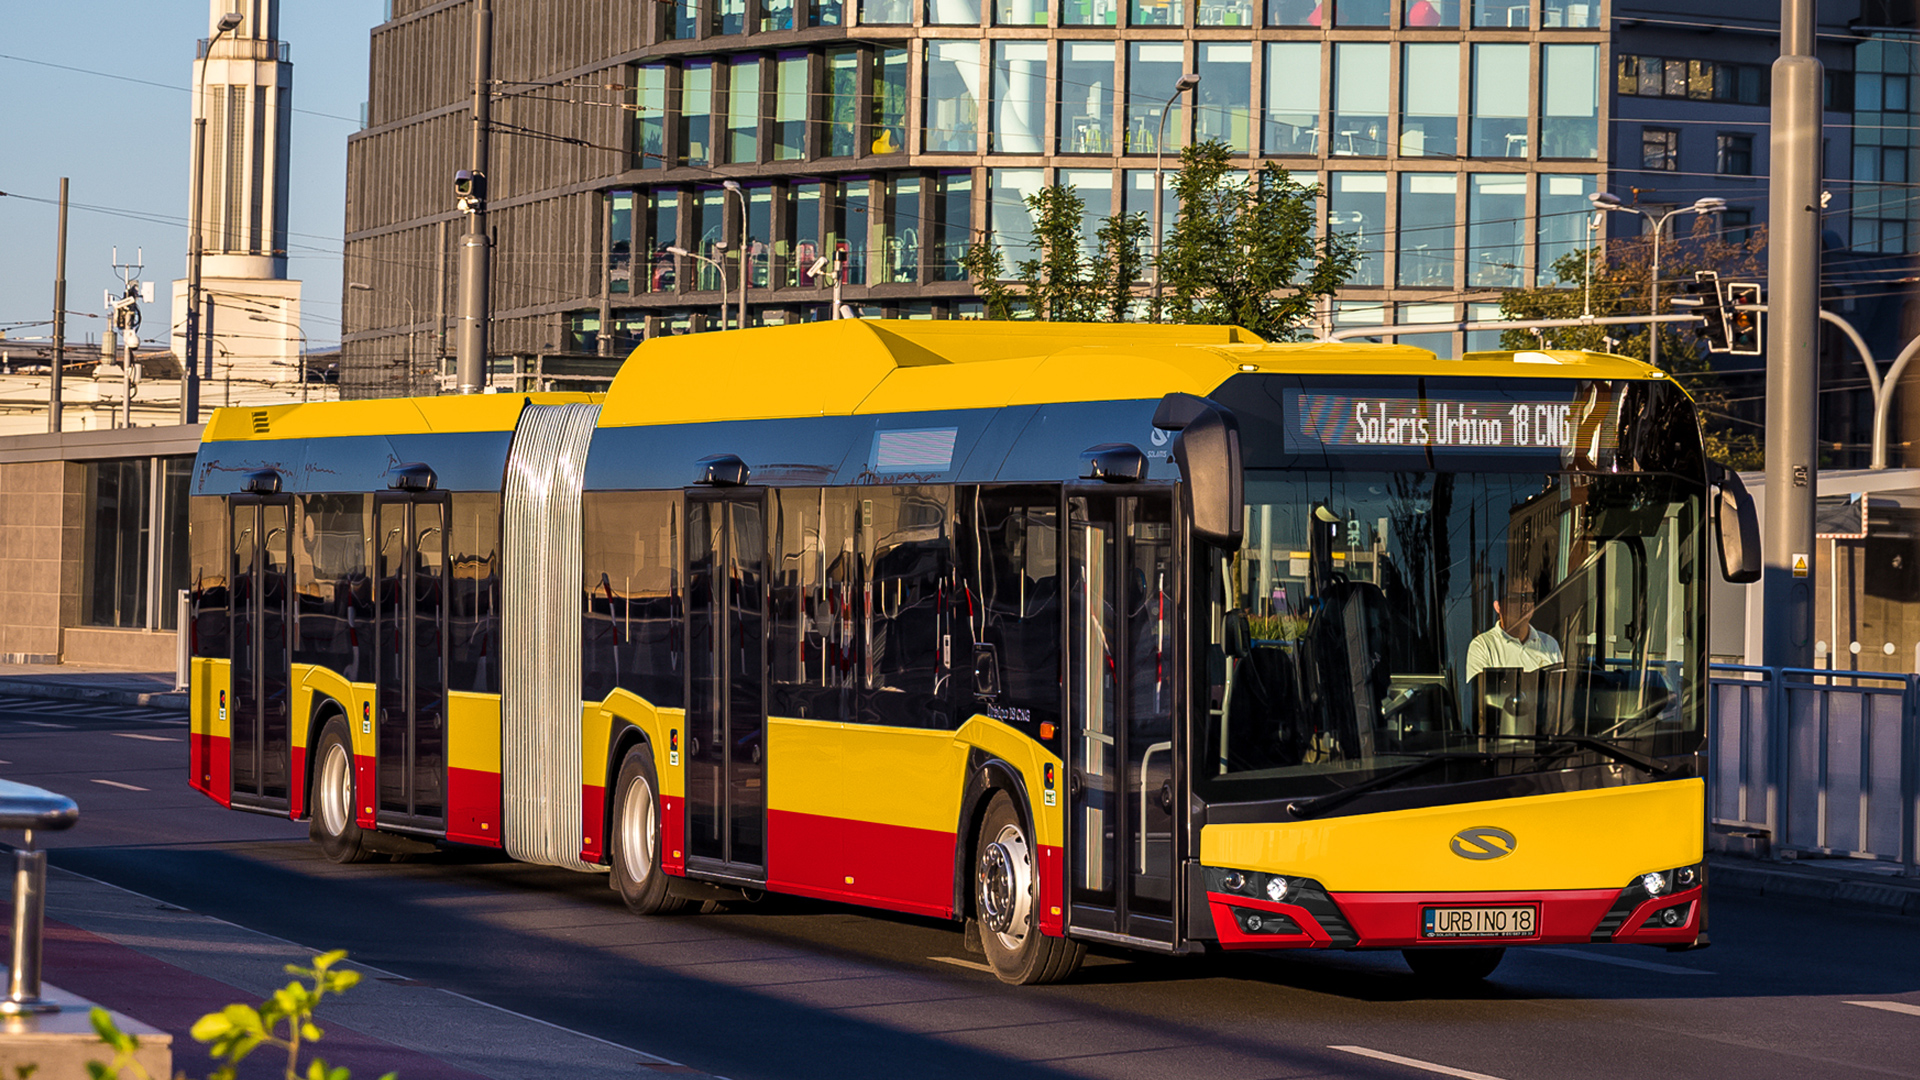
x=1743, y=327
x=1706, y=287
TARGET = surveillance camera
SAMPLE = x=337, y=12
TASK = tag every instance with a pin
x=818, y=268
x=469, y=188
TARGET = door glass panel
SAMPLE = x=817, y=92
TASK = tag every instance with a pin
x=746, y=725
x=241, y=709
x=429, y=674
x=392, y=592
x=706, y=742
x=1148, y=602
x=1091, y=610
x=274, y=677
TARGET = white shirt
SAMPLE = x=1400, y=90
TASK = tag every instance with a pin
x=1498, y=649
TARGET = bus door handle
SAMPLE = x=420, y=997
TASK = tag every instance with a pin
x=1166, y=797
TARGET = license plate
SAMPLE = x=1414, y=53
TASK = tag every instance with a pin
x=1450, y=922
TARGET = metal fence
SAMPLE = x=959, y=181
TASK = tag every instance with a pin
x=1824, y=762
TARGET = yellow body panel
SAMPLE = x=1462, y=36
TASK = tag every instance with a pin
x=473, y=731
x=1031, y=759
x=312, y=679
x=207, y=681
x=653, y=722
x=378, y=416
x=1597, y=839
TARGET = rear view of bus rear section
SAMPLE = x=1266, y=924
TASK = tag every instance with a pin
x=1151, y=638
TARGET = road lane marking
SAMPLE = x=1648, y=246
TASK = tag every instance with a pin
x=972, y=965
x=1889, y=1006
x=1413, y=1063
x=118, y=784
x=149, y=738
x=1622, y=961
x=43, y=723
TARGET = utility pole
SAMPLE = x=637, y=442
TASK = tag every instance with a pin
x=470, y=187
x=1793, y=374
x=190, y=364
x=54, y=404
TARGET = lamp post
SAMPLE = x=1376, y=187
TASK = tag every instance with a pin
x=304, y=347
x=412, y=321
x=190, y=373
x=1186, y=82
x=718, y=268
x=733, y=188
x=1609, y=202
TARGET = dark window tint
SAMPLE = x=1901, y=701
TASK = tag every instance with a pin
x=333, y=599
x=473, y=615
x=814, y=597
x=116, y=543
x=908, y=555
x=630, y=637
x=1010, y=603
x=207, y=581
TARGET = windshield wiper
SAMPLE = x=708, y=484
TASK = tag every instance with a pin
x=1603, y=747
x=1324, y=803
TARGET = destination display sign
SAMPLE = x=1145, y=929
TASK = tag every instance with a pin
x=1584, y=422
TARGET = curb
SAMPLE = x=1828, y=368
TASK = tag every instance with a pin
x=170, y=700
x=1899, y=896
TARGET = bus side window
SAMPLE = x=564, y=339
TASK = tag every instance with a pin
x=906, y=539
x=474, y=609
x=330, y=578
x=1009, y=603
x=814, y=635
x=630, y=634
x=208, y=585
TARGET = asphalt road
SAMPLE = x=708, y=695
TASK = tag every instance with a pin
x=798, y=990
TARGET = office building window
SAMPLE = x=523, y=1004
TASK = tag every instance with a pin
x=710, y=235
x=1427, y=14
x=683, y=19
x=1570, y=101
x=1426, y=240
x=1697, y=80
x=1569, y=14
x=1565, y=217
x=117, y=532
x=1348, y=13
x=1086, y=97
x=1440, y=343
x=802, y=241
x=900, y=247
x=1660, y=149
x=619, y=242
x=1733, y=154
x=851, y=235
x=886, y=12
x=758, y=236
x=1293, y=12
x=1019, y=97
x=1153, y=67
x=953, y=210
x=889, y=118
x=743, y=110
x=1223, y=13
x=1020, y=12
x=1090, y=12
x=953, y=12
x=790, y=107
x=1351, y=313
x=1007, y=191
x=843, y=110
x=663, y=232
x=1095, y=188
x=1496, y=230
x=1499, y=124
x=1156, y=13
x=1504, y=14
x=650, y=116
x=1360, y=98
x=1736, y=225
x=729, y=16
x=1483, y=340
x=1137, y=198
x=1430, y=100
x=952, y=117
x=1292, y=124
x=1357, y=207
x=826, y=13
x=696, y=112
x=776, y=15
x=1225, y=110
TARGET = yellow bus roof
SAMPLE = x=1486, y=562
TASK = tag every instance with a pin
x=378, y=416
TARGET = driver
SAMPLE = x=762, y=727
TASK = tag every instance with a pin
x=1512, y=643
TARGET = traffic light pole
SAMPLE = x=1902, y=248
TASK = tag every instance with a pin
x=1793, y=375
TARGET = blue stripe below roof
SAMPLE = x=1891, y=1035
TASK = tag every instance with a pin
x=461, y=461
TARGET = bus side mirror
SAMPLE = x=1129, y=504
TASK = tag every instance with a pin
x=1208, y=453
x=1237, y=635
x=1737, y=527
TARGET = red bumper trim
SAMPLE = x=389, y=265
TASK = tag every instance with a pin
x=1392, y=920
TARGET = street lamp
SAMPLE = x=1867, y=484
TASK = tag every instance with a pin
x=1609, y=202
x=190, y=376
x=412, y=321
x=305, y=346
x=717, y=269
x=1186, y=82
x=733, y=187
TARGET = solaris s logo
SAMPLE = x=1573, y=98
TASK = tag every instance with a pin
x=1159, y=437
x=1483, y=842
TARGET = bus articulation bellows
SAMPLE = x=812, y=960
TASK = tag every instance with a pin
x=1145, y=636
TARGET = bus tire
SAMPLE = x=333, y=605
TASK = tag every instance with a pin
x=340, y=837
x=1007, y=903
x=1454, y=965
x=633, y=841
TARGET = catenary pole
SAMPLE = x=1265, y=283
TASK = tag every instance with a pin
x=54, y=404
x=475, y=258
x=1793, y=375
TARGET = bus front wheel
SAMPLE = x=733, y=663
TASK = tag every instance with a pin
x=1007, y=899
x=634, y=840
x=1454, y=965
x=334, y=827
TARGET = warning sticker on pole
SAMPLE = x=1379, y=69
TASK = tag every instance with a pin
x=1799, y=564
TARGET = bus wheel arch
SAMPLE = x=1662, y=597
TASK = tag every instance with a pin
x=625, y=737
x=334, y=825
x=1006, y=899
x=325, y=710
x=633, y=836
x=985, y=775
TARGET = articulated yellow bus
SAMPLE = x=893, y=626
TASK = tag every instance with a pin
x=1146, y=636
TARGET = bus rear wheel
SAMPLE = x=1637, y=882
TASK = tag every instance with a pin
x=634, y=840
x=1454, y=965
x=334, y=828
x=1007, y=903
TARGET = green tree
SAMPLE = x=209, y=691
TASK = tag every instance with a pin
x=1244, y=252
x=1057, y=284
x=986, y=267
x=1122, y=243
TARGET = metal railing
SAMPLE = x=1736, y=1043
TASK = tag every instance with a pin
x=1823, y=762
x=29, y=808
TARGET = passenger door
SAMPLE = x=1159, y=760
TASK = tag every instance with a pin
x=261, y=732
x=410, y=661
x=1122, y=753
x=726, y=685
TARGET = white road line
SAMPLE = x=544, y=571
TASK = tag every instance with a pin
x=1413, y=1063
x=1622, y=961
x=957, y=962
x=1889, y=1006
x=149, y=738
x=43, y=723
x=118, y=784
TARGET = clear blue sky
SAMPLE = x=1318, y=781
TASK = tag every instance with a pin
x=124, y=145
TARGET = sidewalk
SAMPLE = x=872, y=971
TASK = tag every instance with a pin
x=87, y=682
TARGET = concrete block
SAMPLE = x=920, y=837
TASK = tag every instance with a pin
x=62, y=1043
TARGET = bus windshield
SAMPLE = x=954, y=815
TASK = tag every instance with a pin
x=1505, y=621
